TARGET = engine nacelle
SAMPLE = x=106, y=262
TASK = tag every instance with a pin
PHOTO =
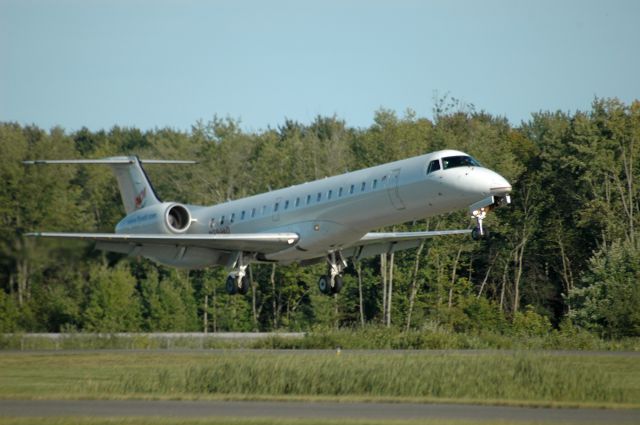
x=167, y=217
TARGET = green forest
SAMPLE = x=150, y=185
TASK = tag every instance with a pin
x=564, y=254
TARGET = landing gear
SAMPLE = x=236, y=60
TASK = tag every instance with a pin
x=331, y=283
x=479, y=232
x=237, y=285
x=238, y=281
x=479, y=211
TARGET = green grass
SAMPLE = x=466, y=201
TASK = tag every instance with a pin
x=526, y=378
x=238, y=421
x=370, y=337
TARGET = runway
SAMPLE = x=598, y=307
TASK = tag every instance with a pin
x=309, y=410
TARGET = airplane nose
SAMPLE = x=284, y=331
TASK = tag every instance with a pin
x=499, y=185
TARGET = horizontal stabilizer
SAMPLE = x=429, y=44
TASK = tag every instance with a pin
x=135, y=188
x=107, y=161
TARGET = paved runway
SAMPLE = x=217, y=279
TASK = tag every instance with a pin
x=328, y=410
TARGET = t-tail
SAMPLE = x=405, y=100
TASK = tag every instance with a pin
x=135, y=188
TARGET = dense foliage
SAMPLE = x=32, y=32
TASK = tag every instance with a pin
x=565, y=253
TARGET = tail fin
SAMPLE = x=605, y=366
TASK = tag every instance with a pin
x=135, y=188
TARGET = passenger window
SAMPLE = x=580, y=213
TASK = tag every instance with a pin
x=275, y=207
x=222, y=221
x=286, y=204
x=329, y=194
x=233, y=216
x=308, y=199
x=212, y=223
x=433, y=166
x=242, y=215
x=319, y=197
x=253, y=212
x=297, y=202
x=353, y=187
x=264, y=209
x=363, y=187
x=375, y=183
x=340, y=192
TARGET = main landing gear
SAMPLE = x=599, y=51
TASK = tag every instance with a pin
x=331, y=283
x=238, y=281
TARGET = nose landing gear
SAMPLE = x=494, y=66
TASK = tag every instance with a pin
x=479, y=232
x=479, y=211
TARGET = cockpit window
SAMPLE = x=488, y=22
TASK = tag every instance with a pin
x=433, y=166
x=459, y=161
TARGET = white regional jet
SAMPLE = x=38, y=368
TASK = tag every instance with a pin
x=325, y=220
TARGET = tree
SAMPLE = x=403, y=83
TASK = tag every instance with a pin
x=608, y=300
x=112, y=301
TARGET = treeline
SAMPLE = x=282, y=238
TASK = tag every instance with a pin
x=566, y=253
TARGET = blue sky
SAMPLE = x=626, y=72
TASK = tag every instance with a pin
x=162, y=63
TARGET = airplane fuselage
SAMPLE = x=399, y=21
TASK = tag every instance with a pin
x=335, y=212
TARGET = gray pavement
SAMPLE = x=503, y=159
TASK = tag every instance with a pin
x=328, y=410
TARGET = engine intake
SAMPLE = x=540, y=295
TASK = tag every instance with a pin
x=178, y=218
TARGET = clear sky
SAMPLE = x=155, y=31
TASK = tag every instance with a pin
x=160, y=63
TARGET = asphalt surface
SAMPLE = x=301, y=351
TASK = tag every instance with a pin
x=328, y=410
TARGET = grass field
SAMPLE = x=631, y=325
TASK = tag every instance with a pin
x=237, y=421
x=528, y=378
x=370, y=337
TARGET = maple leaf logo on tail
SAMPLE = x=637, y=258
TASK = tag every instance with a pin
x=139, y=200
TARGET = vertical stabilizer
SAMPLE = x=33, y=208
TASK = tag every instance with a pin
x=135, y=189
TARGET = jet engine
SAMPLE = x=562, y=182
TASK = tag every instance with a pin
x=167, y=217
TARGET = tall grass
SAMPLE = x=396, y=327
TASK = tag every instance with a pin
x=432, y=336
x=508, y=377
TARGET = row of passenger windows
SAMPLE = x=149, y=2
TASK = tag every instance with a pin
x=330, y=194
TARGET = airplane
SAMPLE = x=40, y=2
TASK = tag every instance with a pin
x=328, y=220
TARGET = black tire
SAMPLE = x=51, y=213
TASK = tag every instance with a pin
x=231, y=286
x=324, y=285
x=476, y=236
x=244, y=286
x=337, y=284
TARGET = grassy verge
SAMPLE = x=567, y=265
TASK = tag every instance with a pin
x=495, y=378
x=237, y=421
x=371, y=337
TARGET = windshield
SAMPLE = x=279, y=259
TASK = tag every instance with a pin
x=459, y=161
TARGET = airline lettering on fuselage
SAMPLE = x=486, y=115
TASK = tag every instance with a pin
x=215, y=229
x=220, y=230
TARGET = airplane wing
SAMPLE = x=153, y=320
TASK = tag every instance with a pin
x=376, y=243
x=253, y=242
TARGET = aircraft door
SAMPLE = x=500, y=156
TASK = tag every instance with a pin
x=393, y=190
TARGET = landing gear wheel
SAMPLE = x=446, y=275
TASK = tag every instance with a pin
x=324, y=285
x=337, y=284
x=243, y=288
x=476, y=236
x=230, y=285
